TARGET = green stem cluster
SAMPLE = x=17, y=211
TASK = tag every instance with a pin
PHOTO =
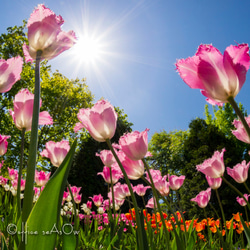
x=20, y=175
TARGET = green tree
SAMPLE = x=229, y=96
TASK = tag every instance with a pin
x=204, y=139
x=167, y=151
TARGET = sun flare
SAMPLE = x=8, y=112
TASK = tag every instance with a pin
x=88, y=49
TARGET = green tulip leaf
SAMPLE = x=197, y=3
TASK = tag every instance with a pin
x=42, y=225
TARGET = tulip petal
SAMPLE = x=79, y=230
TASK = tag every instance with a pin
x=45, y=118
x=188, y=69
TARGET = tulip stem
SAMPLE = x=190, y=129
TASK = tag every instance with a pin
x=247, y=188
x=112, y=193
x=221, y=208
x=155, y=194
x=20, y=175
x=246, y=214
x=142, y=241
x=239, y=113
x=28, y=192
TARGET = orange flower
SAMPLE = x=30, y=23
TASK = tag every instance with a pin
x=237, y=217
x=240, y=228
x=213, y=229
x=223, y=232
x=200, y=226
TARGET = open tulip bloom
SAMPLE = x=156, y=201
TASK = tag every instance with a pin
x=135, y=144
x=56, y=151
x=218, y=76
x=239, y=172
x=240, y=132
x=213, y=167
x=100, y=121
x=242, y=201
x=175, y=182
x=202, y=198
x=45, y=35
x=23, y=111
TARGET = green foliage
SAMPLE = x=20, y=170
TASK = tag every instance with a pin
x=167, y=151
x=201, y=143
x=52, y=195
x=223, y=117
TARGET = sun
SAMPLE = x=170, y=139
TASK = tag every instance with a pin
x=88, y=49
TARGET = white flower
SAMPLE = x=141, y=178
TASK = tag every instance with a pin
x=6, y=187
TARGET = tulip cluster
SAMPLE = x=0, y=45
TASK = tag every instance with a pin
x=220, y=78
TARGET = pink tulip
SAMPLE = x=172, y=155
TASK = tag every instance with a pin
x=78, y=198
x=214, y=183
x=239, y=172
x=97, y=199
x=119, y=203
x=10, y=71
x=45, y=34
x=13, y=174
x=116, y=173
x=156, y=174
x=14, y=184
x=175, y=182
x=151, y=203
x=56, y=151
x=100, y=121
x=75, y=190
x=135, y=144
x=133, y=169
x=202, y=198
x=240, y=132
x=218, y=76
x=242, y=201
x=213, y=167
x=107, y=157
x=106, y=204
x=126, y=189
x=140, y=189
x=65, y=196
x=162, y=186
x=89, y=204
x=41, y=178
x=36, y=190
x=3, y=144
x=3, y=181
x=119, y=192
x=23, y=111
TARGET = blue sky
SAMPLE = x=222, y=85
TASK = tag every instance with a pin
x=140, y=42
